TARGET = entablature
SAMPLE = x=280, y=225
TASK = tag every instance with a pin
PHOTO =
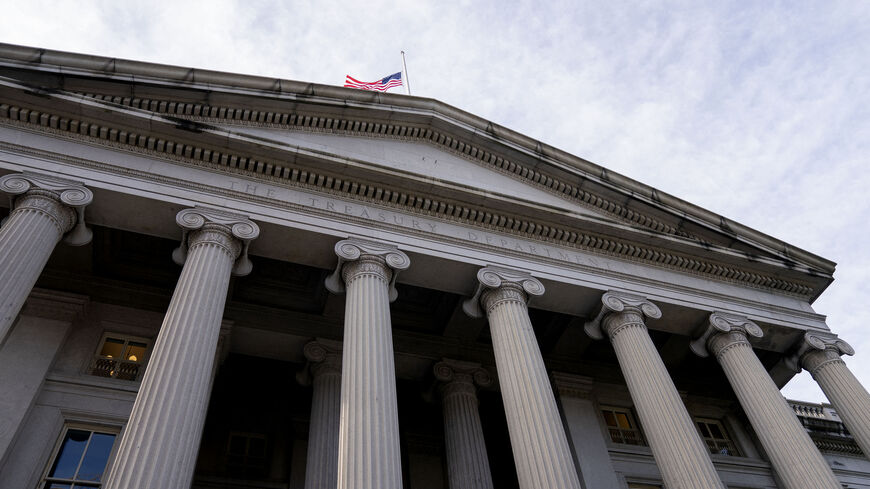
x=301, y=224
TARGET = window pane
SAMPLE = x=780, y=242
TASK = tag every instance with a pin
x=622, y=419
x=135, y=352
x=56, y=485
x=112, y=348
x=703, y=428
x=717, y=433
x=70, y=454
x=609, y=419
x=96, y=458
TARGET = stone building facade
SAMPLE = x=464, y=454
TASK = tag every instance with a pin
x=215, y=280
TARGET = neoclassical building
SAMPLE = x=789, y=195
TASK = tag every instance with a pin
x=213, y=280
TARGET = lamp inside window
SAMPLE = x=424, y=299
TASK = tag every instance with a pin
x=120, y=357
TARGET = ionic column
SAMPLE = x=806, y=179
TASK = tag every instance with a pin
x=159, y=445
x=368, y=442
x=681, y=455
x=44, y=210
x=538, y=439
x=793, y=455
x=467, y=463
x=820, y=356
x=321, y=468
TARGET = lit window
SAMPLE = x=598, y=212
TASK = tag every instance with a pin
x=120, y=357
x=246, y=453
x=715, y=436
x=80, y=459
x=621, y=425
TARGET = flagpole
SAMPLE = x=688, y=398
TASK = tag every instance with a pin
x=405, y=70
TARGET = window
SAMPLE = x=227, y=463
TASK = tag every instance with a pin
x=246, y=453
x=621, y=425
x=120, y=357
x=80, y=459
x=638, y=485
x=715, y=436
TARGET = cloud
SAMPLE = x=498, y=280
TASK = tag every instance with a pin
x=757, y=111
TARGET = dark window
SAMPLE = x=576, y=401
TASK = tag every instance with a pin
x=80, y=460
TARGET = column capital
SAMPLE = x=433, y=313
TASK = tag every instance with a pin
x=448, y=370
x=459, y=377
x=382, y=258
x=232, y=231
x=64, y=200
x=617, y=302
x=497, y=283
x=818, y=349
x=723, y=330
x=324, y=356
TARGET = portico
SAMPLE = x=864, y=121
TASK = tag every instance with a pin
x=423, y=307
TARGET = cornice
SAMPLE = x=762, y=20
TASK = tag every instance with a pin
x=205, y=113
x=426, y=205
x=63, y=70
x=300, y=121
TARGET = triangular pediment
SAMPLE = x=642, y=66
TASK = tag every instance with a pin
x=418, y=154
x=422, y=159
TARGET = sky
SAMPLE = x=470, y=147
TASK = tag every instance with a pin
x=759, y=111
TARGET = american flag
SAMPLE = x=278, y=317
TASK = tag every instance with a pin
x=382, y=85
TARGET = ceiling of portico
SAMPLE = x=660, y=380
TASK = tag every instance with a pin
x=413, y=154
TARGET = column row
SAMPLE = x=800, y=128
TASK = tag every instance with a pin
x=165, y=426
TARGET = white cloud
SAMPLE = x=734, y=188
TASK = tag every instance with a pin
x=758, y=111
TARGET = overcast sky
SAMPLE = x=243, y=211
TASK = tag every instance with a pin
x=754, y=110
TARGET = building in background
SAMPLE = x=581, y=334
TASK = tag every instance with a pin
x=217, y=280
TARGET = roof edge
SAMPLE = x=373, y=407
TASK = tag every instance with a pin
x=119, y=67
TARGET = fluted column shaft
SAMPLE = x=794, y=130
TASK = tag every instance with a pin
x=681, y=455
x=161, y=440
x=845, y=392
x=43, y=211
x=369, y=456
x=467, y=462
x=538, y=440
x=321, y=469
x=792, y=453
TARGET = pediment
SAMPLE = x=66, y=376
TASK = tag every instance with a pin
x=421, y=159
x=417, y=154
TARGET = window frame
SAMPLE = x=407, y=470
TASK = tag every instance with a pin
x=58, y=444
x=127, y=338
x=632, y=419
x=728, y=440
x=246, y=466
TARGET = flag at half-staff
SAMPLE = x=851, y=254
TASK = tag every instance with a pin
x=382, y=85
